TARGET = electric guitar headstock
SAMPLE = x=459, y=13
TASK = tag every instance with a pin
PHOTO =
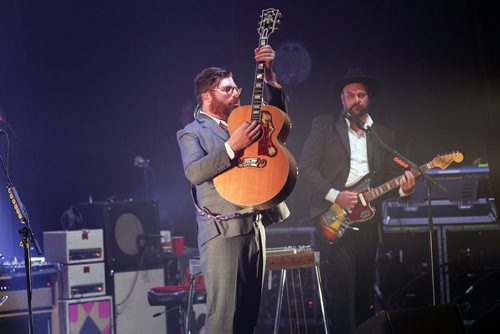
x=444, y=160
x=269, y=20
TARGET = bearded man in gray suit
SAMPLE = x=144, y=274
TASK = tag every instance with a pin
x=232, y=246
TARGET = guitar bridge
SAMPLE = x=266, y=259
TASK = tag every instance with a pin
x=252, y=162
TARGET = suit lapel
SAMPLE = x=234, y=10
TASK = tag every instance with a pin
x=211, y=125
x=344, y=136
x=373, y=157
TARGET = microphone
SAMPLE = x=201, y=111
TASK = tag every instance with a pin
x=140, y=162
x=354, y=119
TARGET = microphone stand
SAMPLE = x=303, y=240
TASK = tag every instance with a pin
x=27, y=237
x=429, y=182
x=149, y=177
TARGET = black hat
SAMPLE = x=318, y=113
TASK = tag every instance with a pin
x=356, y=75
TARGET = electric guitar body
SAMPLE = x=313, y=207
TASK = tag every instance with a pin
x=334, y=222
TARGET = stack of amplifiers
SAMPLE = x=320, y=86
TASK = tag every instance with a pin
x=133, y=263
x=83, y=305
x=81, y=255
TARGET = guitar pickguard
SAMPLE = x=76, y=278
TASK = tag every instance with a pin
x=333, y=223
x=266, y=146
x=363, y=185
x=336, y=221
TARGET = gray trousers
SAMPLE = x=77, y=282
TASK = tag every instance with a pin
x=233, y=269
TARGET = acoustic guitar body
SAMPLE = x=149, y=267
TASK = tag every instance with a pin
x=266, y=172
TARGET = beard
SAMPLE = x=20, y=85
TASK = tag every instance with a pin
x=222, y=108
x=357, y=110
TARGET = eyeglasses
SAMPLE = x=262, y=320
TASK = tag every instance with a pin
x=229, y=90
x=352, y=96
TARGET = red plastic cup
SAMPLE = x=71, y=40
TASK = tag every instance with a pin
x=178, y=245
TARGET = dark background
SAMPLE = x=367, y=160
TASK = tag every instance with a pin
x=86, y=86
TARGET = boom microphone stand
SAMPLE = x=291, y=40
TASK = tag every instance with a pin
x=27, y=237
x=429, y=182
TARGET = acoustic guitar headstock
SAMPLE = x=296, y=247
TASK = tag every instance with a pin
x=269, y=20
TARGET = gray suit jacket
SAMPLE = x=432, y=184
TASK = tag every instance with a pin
x=204, y=156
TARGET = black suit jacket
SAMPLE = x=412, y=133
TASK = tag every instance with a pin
x=325, y=159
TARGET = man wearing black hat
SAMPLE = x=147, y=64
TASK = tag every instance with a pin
x=336, y=157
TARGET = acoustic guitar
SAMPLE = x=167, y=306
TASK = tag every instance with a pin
x=333, y=223
x=266, y=172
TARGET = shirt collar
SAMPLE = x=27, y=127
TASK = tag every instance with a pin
x=218, y=120
x=368, y=123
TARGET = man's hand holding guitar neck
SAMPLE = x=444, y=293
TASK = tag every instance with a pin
x=407, y=182
x=266, y=54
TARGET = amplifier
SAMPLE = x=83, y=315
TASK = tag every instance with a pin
x=83, y=280
x=43, y=298
x=13, y=288
x=70, y=247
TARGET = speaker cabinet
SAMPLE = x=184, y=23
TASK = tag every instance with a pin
x=443, y=319
x=133, y=314
x=131, y=232
x=87, y=315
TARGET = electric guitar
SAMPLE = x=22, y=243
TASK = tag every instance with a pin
x=266, y=172
x=333, y=223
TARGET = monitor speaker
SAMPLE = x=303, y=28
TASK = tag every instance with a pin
x=132, y=239
x=444, y=319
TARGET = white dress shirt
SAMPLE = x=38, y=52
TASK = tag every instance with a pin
x=359, y=158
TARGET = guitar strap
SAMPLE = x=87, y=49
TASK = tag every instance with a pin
x=222, y=217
